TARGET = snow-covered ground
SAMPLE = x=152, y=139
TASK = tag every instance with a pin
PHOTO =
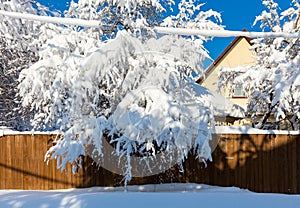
x=152, y=196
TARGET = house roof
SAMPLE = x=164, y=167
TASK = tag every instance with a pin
x=222, y=55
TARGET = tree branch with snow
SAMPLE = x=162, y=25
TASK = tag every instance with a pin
x=120, y=86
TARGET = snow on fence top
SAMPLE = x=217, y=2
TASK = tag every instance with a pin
x=250, y=130
x=7, y=131
x=162, y=30
x=219, y=130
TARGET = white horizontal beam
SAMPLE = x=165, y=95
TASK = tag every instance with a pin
x=224, y=33
x=162, y=30
x=48, y=19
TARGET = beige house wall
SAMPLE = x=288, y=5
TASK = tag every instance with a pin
x=238, y=55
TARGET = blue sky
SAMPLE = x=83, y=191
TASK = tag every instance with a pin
x=236, y=15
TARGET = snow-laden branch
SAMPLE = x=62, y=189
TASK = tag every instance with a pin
x=162, y=30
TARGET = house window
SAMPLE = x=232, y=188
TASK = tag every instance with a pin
x=238, y=92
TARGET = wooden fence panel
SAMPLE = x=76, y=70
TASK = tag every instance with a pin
x=2, y=162
x=262, y=163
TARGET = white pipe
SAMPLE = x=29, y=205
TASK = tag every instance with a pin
x=224, y=33
x=48, y=19
x=162, y=30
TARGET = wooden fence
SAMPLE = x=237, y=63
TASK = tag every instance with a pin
x=262, y=163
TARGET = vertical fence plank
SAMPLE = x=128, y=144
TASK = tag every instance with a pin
x=263, y=165
x=8, y=162
x=26, y=162
x=222, y=173
x=277, y=166
x=255, y=171
x=14, y=165
x=292, y=155
x=271, y=166
x=242, y=161
x=59, y=178
x=3, y=154
x=68, y=177
x=228, y=148
x=2, y=162
x=50, y=166
x=34, y=156
x=239, y=160
x=18, y=162
x=282, y=165
x=236, y=155
x=97, y=175
x=253, y=158
x=74, y=177
x=285, y=170
x=40, y=146
x=45, y=170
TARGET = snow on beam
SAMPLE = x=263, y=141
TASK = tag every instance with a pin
x=48, y=19
x=162, y=30
x=224, y=33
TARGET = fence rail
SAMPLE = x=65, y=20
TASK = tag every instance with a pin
x=262, y=163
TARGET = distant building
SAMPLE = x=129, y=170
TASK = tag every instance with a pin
x=236, y=54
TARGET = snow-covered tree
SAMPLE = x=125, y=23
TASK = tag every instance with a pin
x=134, y=15
x=273, y=83
x=122, y=83
x=18, y=48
